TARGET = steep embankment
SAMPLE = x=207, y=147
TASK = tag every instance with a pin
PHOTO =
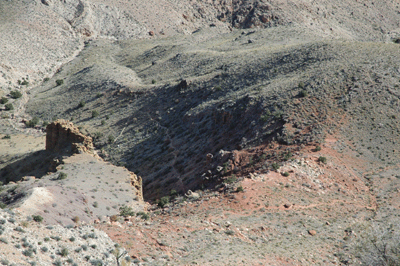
x=186, y=99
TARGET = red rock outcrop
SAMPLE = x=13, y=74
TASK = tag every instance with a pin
x=62, y=135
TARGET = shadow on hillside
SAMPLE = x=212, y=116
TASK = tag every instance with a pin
x=35, y=164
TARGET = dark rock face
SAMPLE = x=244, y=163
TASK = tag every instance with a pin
x=63, y=135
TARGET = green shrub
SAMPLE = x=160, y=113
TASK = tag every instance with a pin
x=111, y=139
x=46, y=79
x=143, y=215
x=126, y=211
x=28, y=252
x=322, y=159
x=62, y=176
x=318, y=148
x=230, y=232
x=287, y=156
x=9, y=107
x=239, y=189
x=163, y=201
x=6, y=137
x=3, y=100
x=153, y=81
x=303, y=93
x=173, y=193
x=19, y=229
x=25, y=82
x=81, y=104
x=301, y=84
x=33, y=122
x=15, y=94
x=230, y=179
x=275, y=166
x=285, y=174
x=59, y=82
x=95, y=113
x=37, y=218
x=64, y=252
x=265, y=116
x=44, y=249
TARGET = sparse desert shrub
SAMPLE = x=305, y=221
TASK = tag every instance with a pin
x=275, y=166
x=76, y=219
x=28, y=252
x=15, y=94
x=59, y=82
x=111, y=139
x=62, y=176
x=33, y=122
x=113, y=218
x=230, y=179
x=126, y=211
x=264, y=117
x=303, y=93
x=9, y=106
x=3, y=240
x=285, y=174
x=19, y=229
x=322, y=159
x=3, y=100
x=96, y=262
x=239, y=189
x=163, y=201
x=95, y=113
x=317, y=148
x=37, y=218
x=46, y=79
x=63, y=252
x=56, y=238
x=301, y=84
x=173, y=193
x=287, y=156
x=378, y=244
x=6, y=137
x=230, y=232
x=153, y=81
x=81, y=104
x=2, y=205
x=4, y=262
x=44, y=249
x=144, y=215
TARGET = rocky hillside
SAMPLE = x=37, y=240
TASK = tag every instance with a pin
x=280, y=116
